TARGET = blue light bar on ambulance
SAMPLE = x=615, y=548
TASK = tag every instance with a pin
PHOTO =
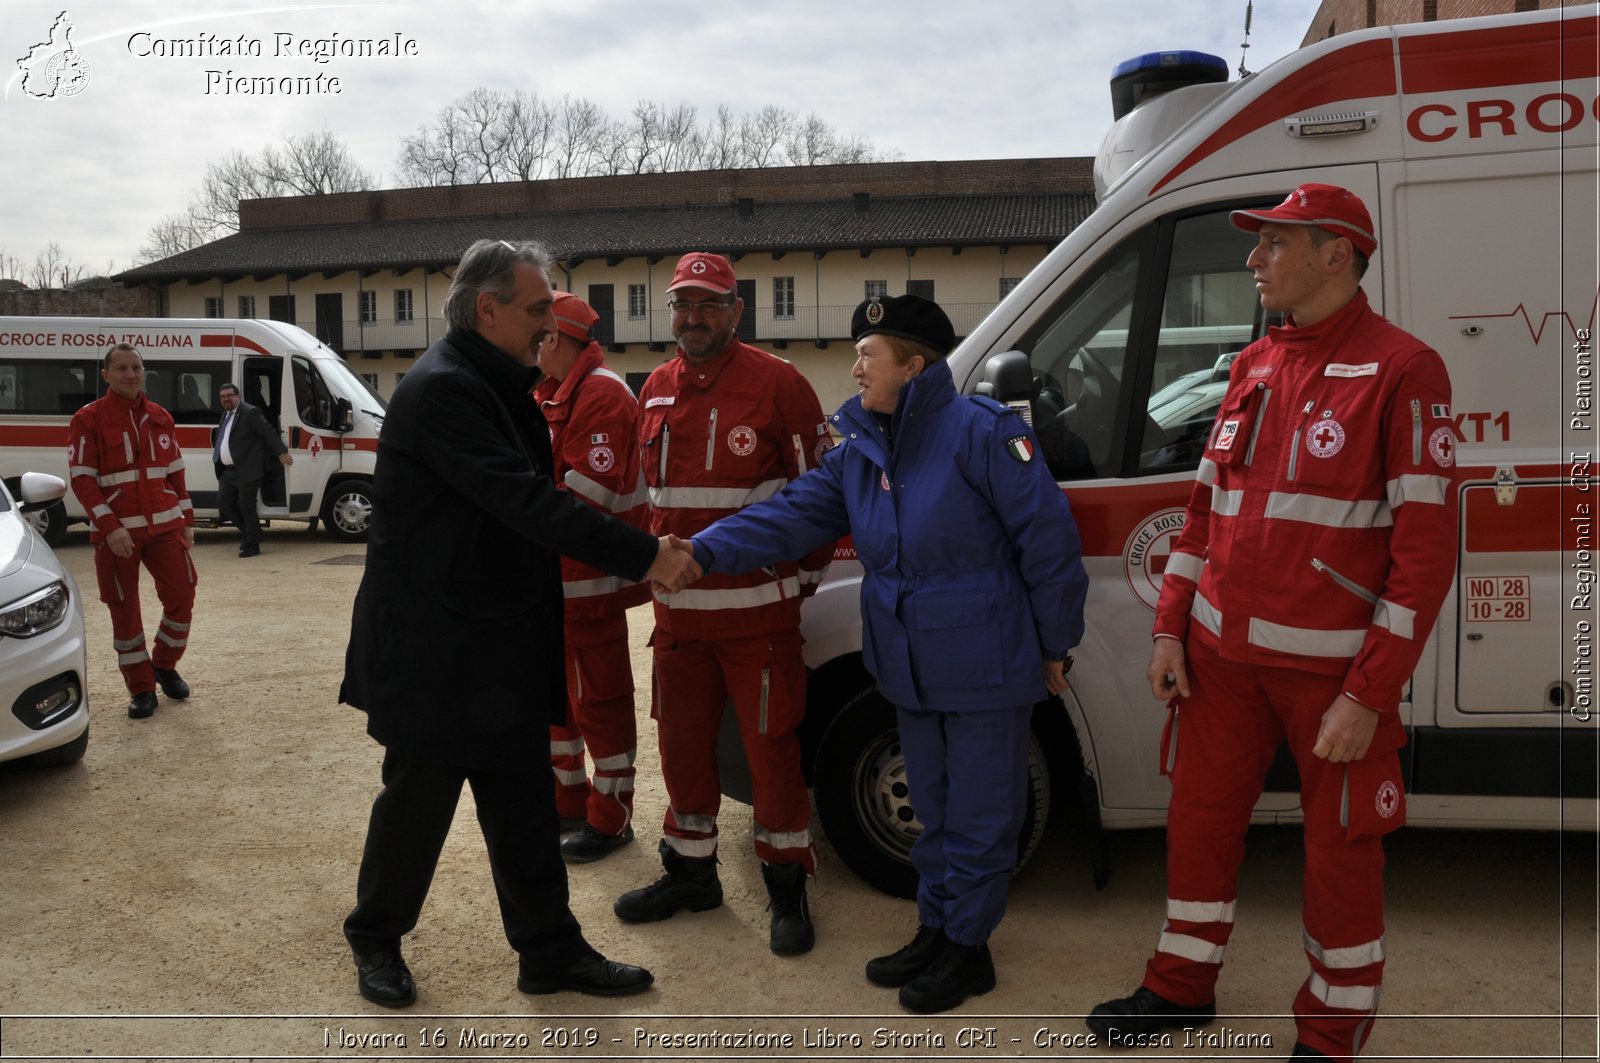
x=1135, y=80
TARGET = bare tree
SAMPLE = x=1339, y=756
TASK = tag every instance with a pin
x=304, y=164
x=12, y=268
x=52, y=268
x=579, y=128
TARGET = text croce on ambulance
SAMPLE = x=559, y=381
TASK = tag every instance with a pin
x=328, y=417
x=1473, y=142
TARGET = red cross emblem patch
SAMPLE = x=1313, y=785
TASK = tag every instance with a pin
x=1325, y=438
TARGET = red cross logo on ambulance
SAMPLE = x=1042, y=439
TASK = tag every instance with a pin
x=314, y=448
x=1325, y=438
x=742, y=440
x=1149, y=548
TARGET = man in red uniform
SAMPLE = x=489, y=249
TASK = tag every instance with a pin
x=593, y=431
x=724, y=425
x=127, y=471
x=1319, y=546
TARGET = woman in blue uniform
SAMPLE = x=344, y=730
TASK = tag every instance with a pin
x=971, y=602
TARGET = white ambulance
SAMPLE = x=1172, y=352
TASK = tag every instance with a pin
x=328, y=416
x=1473, y=142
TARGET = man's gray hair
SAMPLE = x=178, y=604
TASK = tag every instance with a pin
x=488, y=266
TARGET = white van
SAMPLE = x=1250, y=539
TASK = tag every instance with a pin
x=328, y=416
x=1473, y=142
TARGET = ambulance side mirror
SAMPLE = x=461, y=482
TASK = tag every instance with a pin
x=1008, y=377
x=342, y=421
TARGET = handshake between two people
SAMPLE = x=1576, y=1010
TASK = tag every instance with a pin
x=674, y=567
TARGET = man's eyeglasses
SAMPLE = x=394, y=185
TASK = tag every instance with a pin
x=706, y=307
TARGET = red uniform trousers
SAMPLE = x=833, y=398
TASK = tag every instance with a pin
x=1219, y=744
x=167, y=558
x=600, y=703
x=765, y=678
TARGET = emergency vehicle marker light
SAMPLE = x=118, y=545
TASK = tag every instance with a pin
x=1327, y=125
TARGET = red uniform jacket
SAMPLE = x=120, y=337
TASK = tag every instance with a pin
x=713, y=439
x=126, y=468
x=1321, y=534
x=593, y=423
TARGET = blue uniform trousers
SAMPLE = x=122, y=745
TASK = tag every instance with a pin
x=968, y=773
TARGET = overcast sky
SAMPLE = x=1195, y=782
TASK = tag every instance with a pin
x=930, y=79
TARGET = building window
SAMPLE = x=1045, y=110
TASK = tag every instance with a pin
x=369, y=307
x=783, y=298
x=247, y=306
x=402, y=306
x=636, y=302
x=877, y=290
x=213, y=306
x=1007, y=284
x=372, y=379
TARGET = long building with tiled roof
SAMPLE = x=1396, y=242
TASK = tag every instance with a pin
x=367, y=271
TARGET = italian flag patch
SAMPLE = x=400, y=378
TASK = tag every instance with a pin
x=598, y=438
x=1020, y=448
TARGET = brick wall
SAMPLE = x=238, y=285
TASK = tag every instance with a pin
x=775, y=184
x=1343, y=16
x=109, y=301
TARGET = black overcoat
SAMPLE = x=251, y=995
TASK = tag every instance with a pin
x=455, y=641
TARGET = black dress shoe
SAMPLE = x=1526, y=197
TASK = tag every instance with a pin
x=142, y=705
x=172, y=684
x=383, y=978
x=904, y=964
x=589, y=845
x=592, y=974
x=249, y=550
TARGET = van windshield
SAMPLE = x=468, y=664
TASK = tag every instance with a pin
x=347, y=385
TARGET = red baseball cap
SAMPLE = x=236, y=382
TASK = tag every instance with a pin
x=700, y=269
x=575, y=317
x=1329, y=207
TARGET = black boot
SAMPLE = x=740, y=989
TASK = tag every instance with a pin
x=792, y=932
x=690, y=882
x=898, y=968
x=1128, y=1020
x=957, y=972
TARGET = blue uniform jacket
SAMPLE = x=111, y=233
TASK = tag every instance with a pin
x=973, y=567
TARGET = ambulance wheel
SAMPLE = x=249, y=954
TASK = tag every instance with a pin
x=864, y=803
x=348, y=511
x=50, y=522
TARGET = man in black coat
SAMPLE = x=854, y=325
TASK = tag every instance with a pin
x=239, y=449
x=455, y=644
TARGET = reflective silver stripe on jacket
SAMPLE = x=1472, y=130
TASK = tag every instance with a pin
x=185, y=505
x=1226, y=503
x=102, y=510
x=733, y=597
x=569, y=747
x=175, y=465
x=1196, y=949
x=809, y=577
x=1346, y=958
x=1329, y=512
x=84, y=470
x=175, y=513
x=1207, y=473
x=570, y=778
x=715, y=497
x=1418, y=487
x=1201, y=911
x=1206, y=615
x=1188, y=566
x=1350, y=997
x=175, y=643
x=599, y=494
x=784, y=839
x=111, y=479
x=593, y=588
x=1306, y=641
x=1396, y=619
x=613, y=784
x=128, y=644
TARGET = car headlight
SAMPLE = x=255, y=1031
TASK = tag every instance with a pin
x=38, y=612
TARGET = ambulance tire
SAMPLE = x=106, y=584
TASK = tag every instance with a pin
x=863, y=803
x=50, y=522
x=347, y=514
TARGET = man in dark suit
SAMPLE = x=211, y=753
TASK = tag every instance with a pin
x=239, y=449
x=456, y=639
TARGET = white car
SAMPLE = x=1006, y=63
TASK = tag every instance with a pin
x=44, y=699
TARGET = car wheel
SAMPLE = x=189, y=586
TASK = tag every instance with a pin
x=864, y=802
x=50, y=522
x=70, y=753
x=348, y=511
